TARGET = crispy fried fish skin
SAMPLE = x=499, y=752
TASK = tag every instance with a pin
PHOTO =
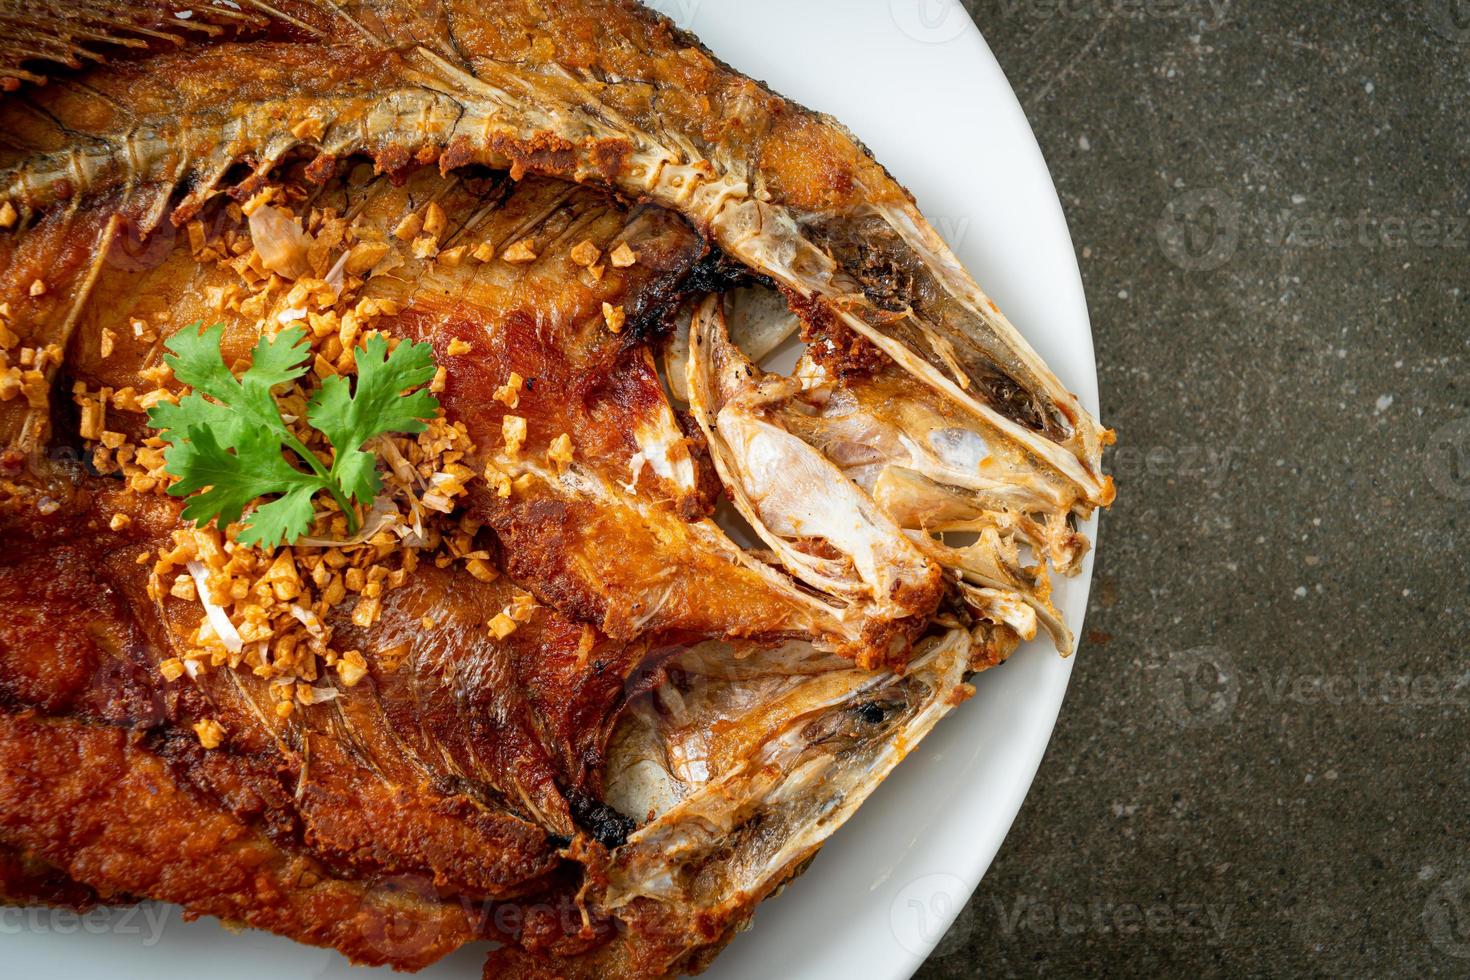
x=102, y=783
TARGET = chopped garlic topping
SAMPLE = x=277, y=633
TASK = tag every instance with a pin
x=614, y=317
x=365, y=255
x=434, y=220
x=481, y=569
x=584, y=253
x=509, y=394
x=622, y=256
x=498, y=479
x=519, y=253
x=560, y=452
x=211, y=733
x=502, y=626
x=409, y=228
x=351, y=667
x=513, y=429
x=268, y=611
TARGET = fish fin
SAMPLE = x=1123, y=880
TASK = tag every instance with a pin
x=45, y=280
x=38, y=41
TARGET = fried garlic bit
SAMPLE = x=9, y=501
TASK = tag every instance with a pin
x=434, y=220
x=498, y=480
x=560, y=452
x=409, y=228
x=622, y=256
x=584, y=253
x=509, y=394
x=519, y=253
x=513, y=429
x=502, y=626
x=614, y=317
x=211, y=733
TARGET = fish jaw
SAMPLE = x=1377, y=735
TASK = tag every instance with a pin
x=823, y=529
x=822, y=737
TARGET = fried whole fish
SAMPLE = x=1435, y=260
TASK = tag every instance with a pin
x=547, y=694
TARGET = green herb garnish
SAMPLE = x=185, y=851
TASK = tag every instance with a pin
x=227, y=437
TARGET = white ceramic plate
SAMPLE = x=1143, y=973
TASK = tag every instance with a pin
x=915, y=81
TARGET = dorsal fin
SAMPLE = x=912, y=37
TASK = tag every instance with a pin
x=38, y=40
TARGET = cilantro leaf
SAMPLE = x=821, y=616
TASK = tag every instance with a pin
x=246, y=401
x=281, y=521
x=173, y=421
x=230, y=448
x=350, y=417
x=231, y=481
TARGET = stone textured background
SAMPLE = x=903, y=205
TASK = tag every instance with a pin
x=1261, y=766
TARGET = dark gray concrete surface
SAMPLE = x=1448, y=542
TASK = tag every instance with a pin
x=1261, y=766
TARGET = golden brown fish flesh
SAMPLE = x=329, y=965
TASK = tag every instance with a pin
x=626, y=622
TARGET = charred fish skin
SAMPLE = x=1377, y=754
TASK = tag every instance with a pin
x=683, y=721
